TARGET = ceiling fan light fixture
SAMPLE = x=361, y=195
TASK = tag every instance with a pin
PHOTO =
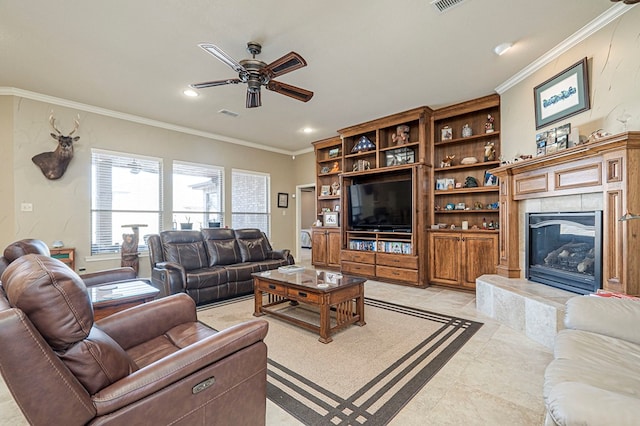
x=502, y=48
x=253, y=99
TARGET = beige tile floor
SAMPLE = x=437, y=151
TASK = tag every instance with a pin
x=495, y=379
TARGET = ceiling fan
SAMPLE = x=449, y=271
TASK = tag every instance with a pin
x=257, y=74
x=627, y=1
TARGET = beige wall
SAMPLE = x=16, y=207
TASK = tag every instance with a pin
x=61, y=208
x=614, y=71
x=7, y=213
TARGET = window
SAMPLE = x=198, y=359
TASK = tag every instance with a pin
x=125, y=190
x=250, y=200
x=197, y=196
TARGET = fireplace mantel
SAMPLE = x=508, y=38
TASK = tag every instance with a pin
x=610, y=166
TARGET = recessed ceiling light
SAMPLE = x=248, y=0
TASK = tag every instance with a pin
x=307, y=130
x=191, y=93
x=501, y=49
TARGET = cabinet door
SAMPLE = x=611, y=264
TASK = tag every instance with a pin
x=479, y=256
x=333, y=248
x=319, y=247
x=444, y=253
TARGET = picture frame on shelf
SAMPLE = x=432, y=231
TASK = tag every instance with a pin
x=334, y=152
x=446, y=133
x=330, y=219
x=283, y=200
x=563, y=95
x=325, y=190
x=490, y=179
x=400, y=156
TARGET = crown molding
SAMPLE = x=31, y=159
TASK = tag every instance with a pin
x=592, y=27
x=12, y=91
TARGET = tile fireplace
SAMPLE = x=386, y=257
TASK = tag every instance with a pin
x=564, y=250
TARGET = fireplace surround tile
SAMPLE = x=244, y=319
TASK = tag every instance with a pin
x=536, y=310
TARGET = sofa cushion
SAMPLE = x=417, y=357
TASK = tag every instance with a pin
x=222, y=247
x=241, y=271
x=574, y=403
x=184, y=247
x=597, y=349
x=206, y=277
x=254, y=245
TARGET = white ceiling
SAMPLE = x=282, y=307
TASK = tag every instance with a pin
x=366, y=58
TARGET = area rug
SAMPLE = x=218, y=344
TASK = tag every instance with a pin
x=366, y=375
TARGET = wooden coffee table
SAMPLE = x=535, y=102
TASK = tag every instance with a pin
x=111, y=298
x=330, y=292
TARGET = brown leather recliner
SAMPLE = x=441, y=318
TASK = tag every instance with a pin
x=151, y=364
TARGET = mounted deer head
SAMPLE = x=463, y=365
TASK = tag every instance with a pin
x=54, y=164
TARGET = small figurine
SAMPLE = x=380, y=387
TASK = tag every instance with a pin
x=466, y=131
x=489, y=152
x=335, y=167
x=488, y=126
x=402, y=135
x=447, y=161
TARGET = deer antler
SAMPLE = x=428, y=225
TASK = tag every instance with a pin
x=75, y=125
x=52, y=121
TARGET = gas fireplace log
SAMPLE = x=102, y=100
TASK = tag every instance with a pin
x=586, y=264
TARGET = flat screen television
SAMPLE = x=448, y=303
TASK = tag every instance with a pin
x=380, y=206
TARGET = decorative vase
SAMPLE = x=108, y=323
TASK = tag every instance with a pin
x=186, y=226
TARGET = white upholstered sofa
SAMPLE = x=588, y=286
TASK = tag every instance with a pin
x=594, y=378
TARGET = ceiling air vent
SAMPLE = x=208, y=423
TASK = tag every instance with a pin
x=229, y=113
x=443, y=5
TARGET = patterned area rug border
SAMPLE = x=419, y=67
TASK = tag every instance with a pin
x=379, y=400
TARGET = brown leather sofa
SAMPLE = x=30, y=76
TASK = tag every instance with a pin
x=212, y=264
x=32, y=246
x=151, y=364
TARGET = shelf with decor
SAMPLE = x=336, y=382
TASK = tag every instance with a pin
x=388, y=142
x=466, y=147
x=329, y=166
x=465, y=194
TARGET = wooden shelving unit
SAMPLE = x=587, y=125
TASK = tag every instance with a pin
x=457, y=256
x=398, y=257
x=326, y=241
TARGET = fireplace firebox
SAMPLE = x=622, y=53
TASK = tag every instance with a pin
x=564, y=250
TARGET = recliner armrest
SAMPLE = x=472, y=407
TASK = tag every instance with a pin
x=109, y=275
x=179, y=365
x=281, y=254
x=171, y=276
x=156, y=317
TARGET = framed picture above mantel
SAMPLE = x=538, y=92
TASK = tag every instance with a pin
x=563, y=95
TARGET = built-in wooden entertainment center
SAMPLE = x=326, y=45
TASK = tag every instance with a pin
x=408, y=148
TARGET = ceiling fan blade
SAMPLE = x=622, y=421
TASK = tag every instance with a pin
x=291, y=91
x=222, y=56
x=214, y=83
x=289, y=62
x=253, y=98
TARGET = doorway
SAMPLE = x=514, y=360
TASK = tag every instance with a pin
x=305, y=217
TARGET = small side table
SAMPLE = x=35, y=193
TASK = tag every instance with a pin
x=111, y=298
x=66, y=255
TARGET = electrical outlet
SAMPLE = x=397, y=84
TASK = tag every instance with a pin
x=26, y=207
